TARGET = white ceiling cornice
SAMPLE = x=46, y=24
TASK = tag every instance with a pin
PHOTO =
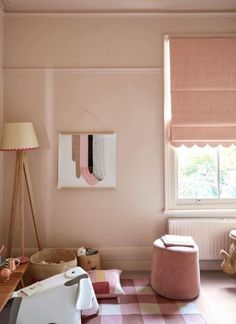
x=113, y=6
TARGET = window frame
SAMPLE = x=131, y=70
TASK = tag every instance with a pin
x=177, y=203
x=184, y=207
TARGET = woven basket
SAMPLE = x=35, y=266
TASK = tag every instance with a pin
x=90, y=262
x=40, y=271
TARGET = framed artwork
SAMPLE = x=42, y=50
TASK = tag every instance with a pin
x=87, y=160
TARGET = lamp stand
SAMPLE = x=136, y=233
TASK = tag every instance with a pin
x=21, y=173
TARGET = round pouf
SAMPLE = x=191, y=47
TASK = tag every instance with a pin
x=175, y=271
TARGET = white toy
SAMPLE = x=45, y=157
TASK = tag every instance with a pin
x=58, y=299
x=81, y=251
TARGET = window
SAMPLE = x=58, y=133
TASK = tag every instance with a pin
x=206, y=173
x=200, y=178
x=200, y=122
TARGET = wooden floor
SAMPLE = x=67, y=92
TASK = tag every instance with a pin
x=217, y=300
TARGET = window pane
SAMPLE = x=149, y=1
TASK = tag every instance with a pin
x=228, y=172
x=197, y=173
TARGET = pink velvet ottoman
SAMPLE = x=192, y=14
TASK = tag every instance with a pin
x=175, y=271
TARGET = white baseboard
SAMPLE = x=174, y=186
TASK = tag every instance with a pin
x=128, y=258
x=210, y=264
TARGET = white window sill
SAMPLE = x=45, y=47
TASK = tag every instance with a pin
x=222, y=213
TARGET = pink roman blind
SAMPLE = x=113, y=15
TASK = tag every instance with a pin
x=203, y=91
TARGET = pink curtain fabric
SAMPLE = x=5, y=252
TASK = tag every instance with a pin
x=203, y=91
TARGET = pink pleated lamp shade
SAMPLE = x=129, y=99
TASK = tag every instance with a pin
x=19, y=136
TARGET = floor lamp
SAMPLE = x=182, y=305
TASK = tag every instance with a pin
x=20, y=137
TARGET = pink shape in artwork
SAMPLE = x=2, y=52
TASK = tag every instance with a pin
x=88, y=177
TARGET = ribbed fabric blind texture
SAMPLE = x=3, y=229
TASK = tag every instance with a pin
x=203, y=91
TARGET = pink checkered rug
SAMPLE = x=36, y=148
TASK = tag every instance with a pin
x=141, y=305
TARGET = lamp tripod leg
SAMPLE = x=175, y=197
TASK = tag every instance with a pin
x=31, y=200
x=22, y=205
x=14, y=204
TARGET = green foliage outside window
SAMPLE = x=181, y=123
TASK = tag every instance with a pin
x=206, y=172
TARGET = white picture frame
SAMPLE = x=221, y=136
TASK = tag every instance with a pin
x=86, y=160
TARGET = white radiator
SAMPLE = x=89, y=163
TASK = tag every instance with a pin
x=211, y=235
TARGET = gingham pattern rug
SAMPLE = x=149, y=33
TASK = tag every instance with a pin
x=141, y=305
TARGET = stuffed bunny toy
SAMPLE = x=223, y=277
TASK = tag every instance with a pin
x=81, y=251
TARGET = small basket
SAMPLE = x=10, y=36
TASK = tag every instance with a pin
x=53, y=265
x=90, y=262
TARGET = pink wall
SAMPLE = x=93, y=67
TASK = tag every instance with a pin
x=44, y=82
x=1, y=118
